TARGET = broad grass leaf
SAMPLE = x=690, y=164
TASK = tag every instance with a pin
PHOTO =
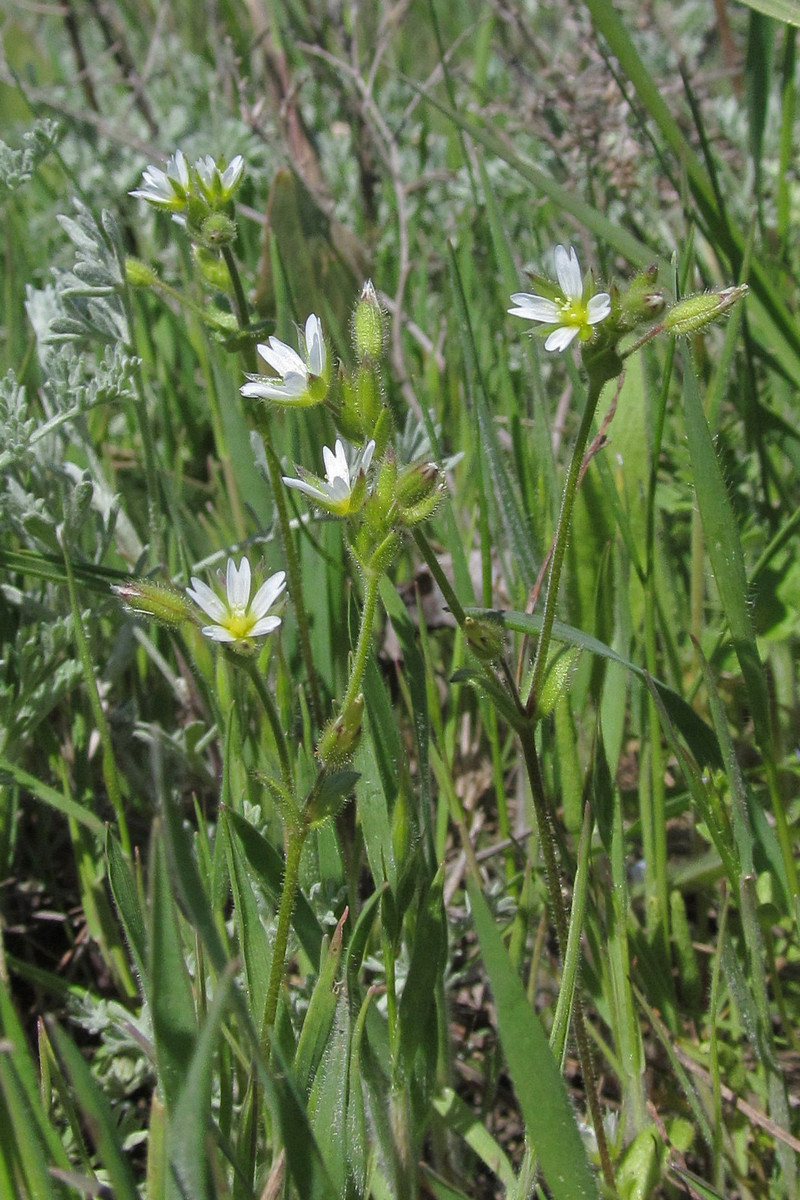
x=28, y=1138
x=551, y=1126
x=171, y=1002
x=417, y=1011
x=187, y=1137
x=725, y=551
x=459, y=1118
x=319, y=1016
x=126, y=898
x=779, y=10
x=251, y=934
x=98, y=1114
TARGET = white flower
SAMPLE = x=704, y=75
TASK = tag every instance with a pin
x=342, y=490
x=237, y=618
x=217, y=186
x=572, y=313
x=301, y=381
x=166, y=189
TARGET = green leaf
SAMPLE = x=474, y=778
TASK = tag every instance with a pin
x=186, y=1135
x=516, y=527
x=48, y=795
x=99, y=1116
x=779, y=10
x=464, y=1121
x=724, y=550
x=251, y=934
x=126, y=898
x=319, y=1016
x=550, y=1126
x=417, y=1010
x=171, y=1001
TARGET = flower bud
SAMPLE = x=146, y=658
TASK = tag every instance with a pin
x=559, y=673
x=643, y=301
x=417, y=482
x=216, y=231
x=160, y=601
x=695, y=312
x=485, y=638
x=385, y=489
x=368, y=324
x=139, y=274
x=341, y=735
x=384, y=554
x=212, y=268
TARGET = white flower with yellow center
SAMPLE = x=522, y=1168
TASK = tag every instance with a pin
x=342, y=490
x=301, y=381
x=237, y=618
x=168, y=189
x=572, y=310
x=218, y=186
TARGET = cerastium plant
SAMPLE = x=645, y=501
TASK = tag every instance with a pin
x=293, y=941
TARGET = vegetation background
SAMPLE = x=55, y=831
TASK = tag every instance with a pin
x=420, y=1039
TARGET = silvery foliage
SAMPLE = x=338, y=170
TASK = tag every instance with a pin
x=17, y=166
x=413, y=444
x=83, y=333
x=46, y=499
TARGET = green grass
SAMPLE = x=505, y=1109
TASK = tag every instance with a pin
x=478, y=877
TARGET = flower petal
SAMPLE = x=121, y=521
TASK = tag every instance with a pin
x=568, y=272
x=282, y=358
x=562, y=337
x=316, y=354
x=238, y=584
x=218, y=633
x=598, y=308
x=535, y=308
x=207, y=600
x=264, y=626
x=267, y=594
x=308, y=489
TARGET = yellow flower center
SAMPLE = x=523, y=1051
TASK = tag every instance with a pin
x=574, y=313
x=239, y=623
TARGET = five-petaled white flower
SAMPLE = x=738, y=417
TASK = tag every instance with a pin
x=167, y=189
x=237, y=618
x=573, y=312
x=342, y=490
x=302, y=381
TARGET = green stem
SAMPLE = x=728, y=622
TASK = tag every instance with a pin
x=362, y=645
x=239, y=301
x=294, y=849
x=268, y=704
x=560, y=542
x=110, y=774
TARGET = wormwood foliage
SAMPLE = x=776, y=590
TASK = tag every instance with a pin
x=398, y=602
